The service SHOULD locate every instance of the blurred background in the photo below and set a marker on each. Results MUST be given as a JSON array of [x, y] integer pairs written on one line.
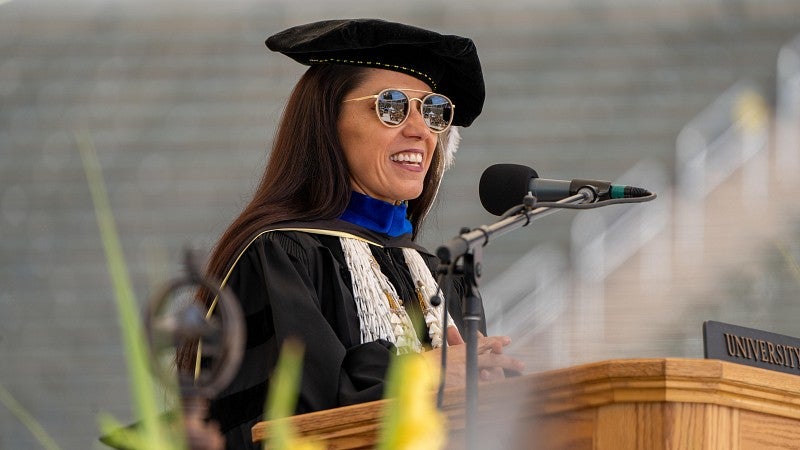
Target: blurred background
[[698, 101]]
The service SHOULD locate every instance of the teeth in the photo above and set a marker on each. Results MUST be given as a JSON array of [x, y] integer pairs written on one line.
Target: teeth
[[407, 157]]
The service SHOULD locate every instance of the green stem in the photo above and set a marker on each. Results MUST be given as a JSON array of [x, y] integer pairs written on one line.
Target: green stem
[[35, 428], [142, 386]]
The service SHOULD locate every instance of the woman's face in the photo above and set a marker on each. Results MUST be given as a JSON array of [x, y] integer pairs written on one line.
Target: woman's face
[[384, 162]]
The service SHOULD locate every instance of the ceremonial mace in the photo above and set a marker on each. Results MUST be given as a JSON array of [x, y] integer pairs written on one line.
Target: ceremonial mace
[[174, 316]]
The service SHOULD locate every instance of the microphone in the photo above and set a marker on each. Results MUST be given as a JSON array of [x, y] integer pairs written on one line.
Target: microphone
[[504, 186]]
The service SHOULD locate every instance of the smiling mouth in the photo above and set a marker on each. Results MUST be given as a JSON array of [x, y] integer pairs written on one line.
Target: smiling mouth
[[407, 158]]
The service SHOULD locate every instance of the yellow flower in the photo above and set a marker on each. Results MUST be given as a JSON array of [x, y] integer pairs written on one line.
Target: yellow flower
[[304, 444], [412, 420]]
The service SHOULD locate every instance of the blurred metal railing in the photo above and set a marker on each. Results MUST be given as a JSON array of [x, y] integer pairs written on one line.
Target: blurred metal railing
[[732, 131], [602, 240], [528, 297], [540, 287], [730, 135]]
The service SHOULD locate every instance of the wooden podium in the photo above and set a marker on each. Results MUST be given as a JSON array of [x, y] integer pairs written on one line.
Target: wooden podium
[[618, 404]]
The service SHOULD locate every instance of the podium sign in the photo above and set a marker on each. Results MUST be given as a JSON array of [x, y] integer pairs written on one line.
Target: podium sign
[[751, 347]]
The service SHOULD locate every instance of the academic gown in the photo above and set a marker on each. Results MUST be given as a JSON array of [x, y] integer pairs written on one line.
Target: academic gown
[[297, 284]]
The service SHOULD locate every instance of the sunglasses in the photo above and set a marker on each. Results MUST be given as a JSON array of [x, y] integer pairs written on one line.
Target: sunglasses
[[393, 107]]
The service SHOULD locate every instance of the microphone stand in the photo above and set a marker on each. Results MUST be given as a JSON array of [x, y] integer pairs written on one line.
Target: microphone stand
[[468, 247]]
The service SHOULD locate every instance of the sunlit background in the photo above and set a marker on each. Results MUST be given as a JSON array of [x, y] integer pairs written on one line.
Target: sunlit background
[[698, 101]]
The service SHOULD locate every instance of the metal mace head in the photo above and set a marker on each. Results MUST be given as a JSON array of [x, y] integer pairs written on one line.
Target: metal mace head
[[174, 316]]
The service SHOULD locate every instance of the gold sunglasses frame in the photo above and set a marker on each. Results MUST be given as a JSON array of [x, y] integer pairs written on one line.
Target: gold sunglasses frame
[[410, 100]]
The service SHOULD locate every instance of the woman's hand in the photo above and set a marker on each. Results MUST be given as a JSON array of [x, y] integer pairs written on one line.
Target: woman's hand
[[491, 360]]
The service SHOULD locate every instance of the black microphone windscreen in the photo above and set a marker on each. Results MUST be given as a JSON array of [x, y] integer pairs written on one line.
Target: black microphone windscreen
[[635, 192], [504, 186]]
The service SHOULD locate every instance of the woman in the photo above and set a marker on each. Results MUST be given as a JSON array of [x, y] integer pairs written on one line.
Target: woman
[[324, 251]]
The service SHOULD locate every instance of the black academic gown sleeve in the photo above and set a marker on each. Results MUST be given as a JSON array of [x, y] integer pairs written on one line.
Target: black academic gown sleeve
[[289, 285]]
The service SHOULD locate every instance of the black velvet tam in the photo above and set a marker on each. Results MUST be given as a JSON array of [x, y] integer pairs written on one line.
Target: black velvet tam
[[448, 64]]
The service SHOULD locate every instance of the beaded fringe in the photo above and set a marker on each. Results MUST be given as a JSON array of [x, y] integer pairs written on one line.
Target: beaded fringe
[[426, 289], [380, 310]]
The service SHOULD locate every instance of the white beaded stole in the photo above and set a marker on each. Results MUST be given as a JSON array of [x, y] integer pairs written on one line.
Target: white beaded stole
[[380, 310]]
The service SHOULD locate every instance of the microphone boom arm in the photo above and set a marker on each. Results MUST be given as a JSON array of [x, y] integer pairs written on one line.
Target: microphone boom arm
[[465, 242]]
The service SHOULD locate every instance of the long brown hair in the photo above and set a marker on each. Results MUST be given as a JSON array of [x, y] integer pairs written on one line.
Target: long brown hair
[[306, 177]]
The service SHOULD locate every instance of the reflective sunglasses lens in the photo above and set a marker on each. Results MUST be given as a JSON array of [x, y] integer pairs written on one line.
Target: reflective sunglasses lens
[[437, 111], [392, 107]]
